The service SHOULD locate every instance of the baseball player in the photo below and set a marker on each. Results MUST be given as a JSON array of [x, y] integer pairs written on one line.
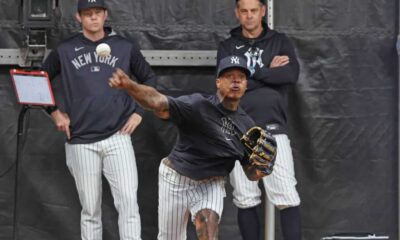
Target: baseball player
[[98, 120], [272, 61], [191, 178]]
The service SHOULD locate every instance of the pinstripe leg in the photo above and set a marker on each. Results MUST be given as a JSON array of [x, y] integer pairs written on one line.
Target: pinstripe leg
[[207, 207], [246, 193], [84, 163], [172, 204], [281, 184], [246, 196], [207, 194], [121, 173]]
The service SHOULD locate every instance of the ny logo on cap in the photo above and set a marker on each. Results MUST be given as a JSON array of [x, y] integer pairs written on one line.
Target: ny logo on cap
[[235, 60]]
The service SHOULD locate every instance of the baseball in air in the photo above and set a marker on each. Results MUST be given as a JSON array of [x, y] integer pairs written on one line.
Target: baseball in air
[[103, 50]]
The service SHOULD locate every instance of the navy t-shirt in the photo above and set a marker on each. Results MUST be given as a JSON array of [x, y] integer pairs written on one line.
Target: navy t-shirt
[[209, 136]]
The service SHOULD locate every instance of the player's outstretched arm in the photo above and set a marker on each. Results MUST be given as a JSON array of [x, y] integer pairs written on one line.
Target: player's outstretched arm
[[148, 97]]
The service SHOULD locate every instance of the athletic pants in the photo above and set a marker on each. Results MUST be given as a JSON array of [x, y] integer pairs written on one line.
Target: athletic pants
[[114, 157], [179, 196], [280, 185]]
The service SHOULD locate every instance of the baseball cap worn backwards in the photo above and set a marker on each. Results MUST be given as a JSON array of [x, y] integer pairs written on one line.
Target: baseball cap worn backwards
[[232, 62], [85, 4]]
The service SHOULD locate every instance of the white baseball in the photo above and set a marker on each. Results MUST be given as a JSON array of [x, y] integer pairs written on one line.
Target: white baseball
[[103, 50]]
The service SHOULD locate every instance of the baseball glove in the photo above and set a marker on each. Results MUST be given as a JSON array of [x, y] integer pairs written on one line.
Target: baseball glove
[[260, 148]]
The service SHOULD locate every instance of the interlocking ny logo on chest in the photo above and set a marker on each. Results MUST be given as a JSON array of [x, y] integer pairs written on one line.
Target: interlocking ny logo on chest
[[227, 128]]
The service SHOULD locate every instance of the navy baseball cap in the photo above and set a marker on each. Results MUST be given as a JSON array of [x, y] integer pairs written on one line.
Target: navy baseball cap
[[84, 4], [232, 62]]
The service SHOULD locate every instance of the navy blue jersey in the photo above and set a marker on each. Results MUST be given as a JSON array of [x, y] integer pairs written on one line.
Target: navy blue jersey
[[266, 96], [209, 136], [96, 110]]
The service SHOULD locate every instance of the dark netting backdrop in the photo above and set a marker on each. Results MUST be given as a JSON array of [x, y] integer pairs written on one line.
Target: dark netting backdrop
[[343, 116]]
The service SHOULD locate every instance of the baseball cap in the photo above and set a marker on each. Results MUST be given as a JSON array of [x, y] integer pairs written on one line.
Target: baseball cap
[[232, 62], [84, 4]]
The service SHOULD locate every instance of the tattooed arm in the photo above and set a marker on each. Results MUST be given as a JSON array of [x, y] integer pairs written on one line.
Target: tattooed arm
[[148, 97]]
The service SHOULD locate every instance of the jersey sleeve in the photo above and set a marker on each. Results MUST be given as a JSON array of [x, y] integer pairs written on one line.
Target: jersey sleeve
[[287, 74], [52, 66], [140, 68], [180, 109]]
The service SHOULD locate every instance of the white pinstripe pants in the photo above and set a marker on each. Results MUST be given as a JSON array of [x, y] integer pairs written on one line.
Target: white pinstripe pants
[[179, 195], [280, 185], [114, 157]]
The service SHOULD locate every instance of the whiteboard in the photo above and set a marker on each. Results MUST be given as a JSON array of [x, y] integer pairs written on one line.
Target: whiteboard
[[32, 87]]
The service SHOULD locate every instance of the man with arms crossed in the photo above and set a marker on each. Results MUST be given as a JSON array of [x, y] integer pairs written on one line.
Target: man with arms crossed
[[192, 177], [272, 61], [98, 120]]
